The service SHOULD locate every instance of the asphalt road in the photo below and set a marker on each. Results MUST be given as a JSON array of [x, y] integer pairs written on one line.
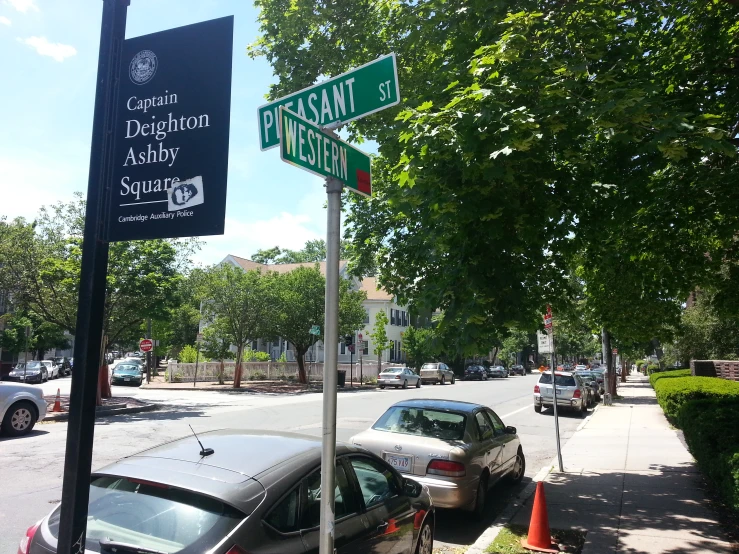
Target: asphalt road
[[31, 466]]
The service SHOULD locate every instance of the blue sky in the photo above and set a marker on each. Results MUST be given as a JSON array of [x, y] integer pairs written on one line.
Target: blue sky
[[49, 52]]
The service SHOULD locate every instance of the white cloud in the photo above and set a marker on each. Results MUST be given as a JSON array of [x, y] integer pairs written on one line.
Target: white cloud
[[23, 5], [57, 50], [4, 20]]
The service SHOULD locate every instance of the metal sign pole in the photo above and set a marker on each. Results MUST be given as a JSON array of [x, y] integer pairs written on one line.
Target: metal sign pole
[[330, 376], [554, 392], [25, 355], [91, 302]]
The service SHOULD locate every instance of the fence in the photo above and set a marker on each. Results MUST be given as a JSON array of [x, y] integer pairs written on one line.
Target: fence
[[258, 371], [725, 369]]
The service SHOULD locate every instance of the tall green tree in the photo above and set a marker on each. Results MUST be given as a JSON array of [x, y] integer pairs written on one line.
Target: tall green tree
[[380, 340], [313, 251], [417, 345], [300, 301], [242, 304]]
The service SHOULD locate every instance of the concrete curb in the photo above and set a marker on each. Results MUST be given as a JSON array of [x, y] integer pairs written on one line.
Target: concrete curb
[[64, 416], [509, 512]]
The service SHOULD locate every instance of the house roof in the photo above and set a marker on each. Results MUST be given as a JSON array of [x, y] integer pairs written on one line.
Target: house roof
[[369, 285], [248, 265]]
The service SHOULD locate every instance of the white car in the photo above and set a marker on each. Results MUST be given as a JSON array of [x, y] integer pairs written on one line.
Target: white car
[[21, 406], [436, 373], [398, 377], [52, 369]]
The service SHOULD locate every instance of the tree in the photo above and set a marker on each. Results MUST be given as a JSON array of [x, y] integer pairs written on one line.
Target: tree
[[44, 336], [379, 337], [417, 345], [531, 133], [299, 298], [13, 335], [216, 344], [313, 251], [515, 342], [240, 301]]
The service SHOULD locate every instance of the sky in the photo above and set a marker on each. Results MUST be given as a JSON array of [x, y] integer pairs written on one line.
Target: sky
[[49, 55]]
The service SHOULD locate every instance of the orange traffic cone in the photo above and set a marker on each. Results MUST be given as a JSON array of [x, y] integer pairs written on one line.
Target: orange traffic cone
[[539, 539], [58, 402]]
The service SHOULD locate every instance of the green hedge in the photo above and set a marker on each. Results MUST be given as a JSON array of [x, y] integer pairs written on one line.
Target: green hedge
[[673, 392], [707, 410], [711, 428]]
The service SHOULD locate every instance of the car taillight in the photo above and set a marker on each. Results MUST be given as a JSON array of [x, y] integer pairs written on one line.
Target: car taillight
[[397, 376], [236, 549], [25, 546], [536, 388], [576, 394], [447, 468]]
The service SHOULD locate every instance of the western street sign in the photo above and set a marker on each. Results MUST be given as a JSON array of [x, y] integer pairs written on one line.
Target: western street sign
[[145, 345], [171, 133], [315, 330], [303, 144], [362, 91]]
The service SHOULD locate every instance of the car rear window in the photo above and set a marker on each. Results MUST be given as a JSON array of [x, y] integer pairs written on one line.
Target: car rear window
[[562, 380], [422, 421], [153, 516]]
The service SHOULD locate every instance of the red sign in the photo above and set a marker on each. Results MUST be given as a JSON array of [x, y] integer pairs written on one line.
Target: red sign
[[360, 336], [351, 348], [146, 345], [614, 351], [548, 318]]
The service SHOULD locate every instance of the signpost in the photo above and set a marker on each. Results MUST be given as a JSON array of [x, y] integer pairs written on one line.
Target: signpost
[[158, 163], [304, 145], [146, 345], [362, 91], [301, 123], [548, 319]]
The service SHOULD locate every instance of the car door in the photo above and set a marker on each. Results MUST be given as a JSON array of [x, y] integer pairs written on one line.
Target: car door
[[507, 441], [412, 377], [350, 524], [388, 511], [487, 450]]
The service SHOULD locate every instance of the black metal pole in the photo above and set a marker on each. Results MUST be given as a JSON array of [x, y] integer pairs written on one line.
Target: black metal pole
[[91, 302]]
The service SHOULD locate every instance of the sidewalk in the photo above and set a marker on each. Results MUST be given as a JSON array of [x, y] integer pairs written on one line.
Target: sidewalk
[[631, 484]]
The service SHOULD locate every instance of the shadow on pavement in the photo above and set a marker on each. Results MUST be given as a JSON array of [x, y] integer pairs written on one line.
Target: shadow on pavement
[[181, 412], [35, 433], [459, 527]]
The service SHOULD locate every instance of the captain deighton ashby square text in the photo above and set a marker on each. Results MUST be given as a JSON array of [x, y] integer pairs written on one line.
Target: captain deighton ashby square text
[[156, 151]]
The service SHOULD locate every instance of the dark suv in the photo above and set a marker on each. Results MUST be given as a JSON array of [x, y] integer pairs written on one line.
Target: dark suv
[[517, 370]]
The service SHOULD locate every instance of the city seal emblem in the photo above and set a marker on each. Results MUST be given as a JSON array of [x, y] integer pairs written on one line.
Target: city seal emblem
[[143, 67]]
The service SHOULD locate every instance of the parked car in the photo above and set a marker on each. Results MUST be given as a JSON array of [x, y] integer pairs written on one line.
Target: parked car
[[517, 370], [21, 406], [34, 372], [173, 499], [135, 361], [475, 373], [126, 374], [65, 368], [497, 371], [572, 393], [456, 449], [436, 373], [590, 378], [398, 377], [52, 368]]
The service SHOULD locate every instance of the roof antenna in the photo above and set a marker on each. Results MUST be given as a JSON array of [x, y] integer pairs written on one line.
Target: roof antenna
[[203, 451]]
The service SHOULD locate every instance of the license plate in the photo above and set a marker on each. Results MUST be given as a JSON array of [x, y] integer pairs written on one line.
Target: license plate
[[401, 463], [126, 378]]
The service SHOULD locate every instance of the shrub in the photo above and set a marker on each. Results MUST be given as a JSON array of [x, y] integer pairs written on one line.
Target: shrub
[[188, 355], [673, 393], [711, 428], [668, 375], [258, 376]]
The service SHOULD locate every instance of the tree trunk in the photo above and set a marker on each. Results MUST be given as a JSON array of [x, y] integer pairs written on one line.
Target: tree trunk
[[237, 371], [103, 385], [495, 354], [623, 370], [608, 354], [379, 363], [300, 355], [221, 370]]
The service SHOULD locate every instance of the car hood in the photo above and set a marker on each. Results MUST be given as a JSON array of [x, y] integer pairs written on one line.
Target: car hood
[[7, 389]]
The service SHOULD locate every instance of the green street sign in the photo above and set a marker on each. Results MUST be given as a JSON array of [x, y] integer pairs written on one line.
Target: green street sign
[[315, 330], [362, 91], [303, 144]]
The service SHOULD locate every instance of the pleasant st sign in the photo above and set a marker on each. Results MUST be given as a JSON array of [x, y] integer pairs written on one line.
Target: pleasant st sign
[[362, 91], [303, 144]]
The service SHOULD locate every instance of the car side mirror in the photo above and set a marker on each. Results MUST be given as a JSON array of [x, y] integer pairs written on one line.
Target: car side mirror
[[510, 430], [412, 488]]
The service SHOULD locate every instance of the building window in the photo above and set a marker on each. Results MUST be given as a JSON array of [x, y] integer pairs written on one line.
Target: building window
[[392, 352], [342, 348], [366, 317], [365, 348], [405, 319], [392, 316]]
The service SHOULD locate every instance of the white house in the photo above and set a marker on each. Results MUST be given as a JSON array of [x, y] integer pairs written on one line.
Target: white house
[[377, 300]]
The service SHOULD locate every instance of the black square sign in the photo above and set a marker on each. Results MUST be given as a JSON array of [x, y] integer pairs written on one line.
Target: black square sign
[[171, 133]]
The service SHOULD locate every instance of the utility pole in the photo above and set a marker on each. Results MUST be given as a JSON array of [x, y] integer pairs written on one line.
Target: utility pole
[[148, 354], [330, 375], [25, 353]]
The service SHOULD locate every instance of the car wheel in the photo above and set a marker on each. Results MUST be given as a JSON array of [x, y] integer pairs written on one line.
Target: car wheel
[[519, 467], [405, 383], [382, 386], [425, 539], [481, 497], [443, 380], [583, 409], [453, 379], [537, 408], [418, 383], [19, 419]]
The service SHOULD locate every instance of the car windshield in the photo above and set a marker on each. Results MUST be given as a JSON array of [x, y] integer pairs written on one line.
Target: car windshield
[[422, 421], [429, 366], [561, 380], [153, 516], [393, 370], [34, 365], [127, 369]]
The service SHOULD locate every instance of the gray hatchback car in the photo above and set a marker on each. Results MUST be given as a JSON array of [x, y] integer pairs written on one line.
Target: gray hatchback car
[[258, 492]]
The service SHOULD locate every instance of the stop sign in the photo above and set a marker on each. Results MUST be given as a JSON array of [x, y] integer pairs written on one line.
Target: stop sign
[[146, 345]]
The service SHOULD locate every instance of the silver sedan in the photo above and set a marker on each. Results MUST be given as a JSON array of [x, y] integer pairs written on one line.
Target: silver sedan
[[457, 449], [398, 377]]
